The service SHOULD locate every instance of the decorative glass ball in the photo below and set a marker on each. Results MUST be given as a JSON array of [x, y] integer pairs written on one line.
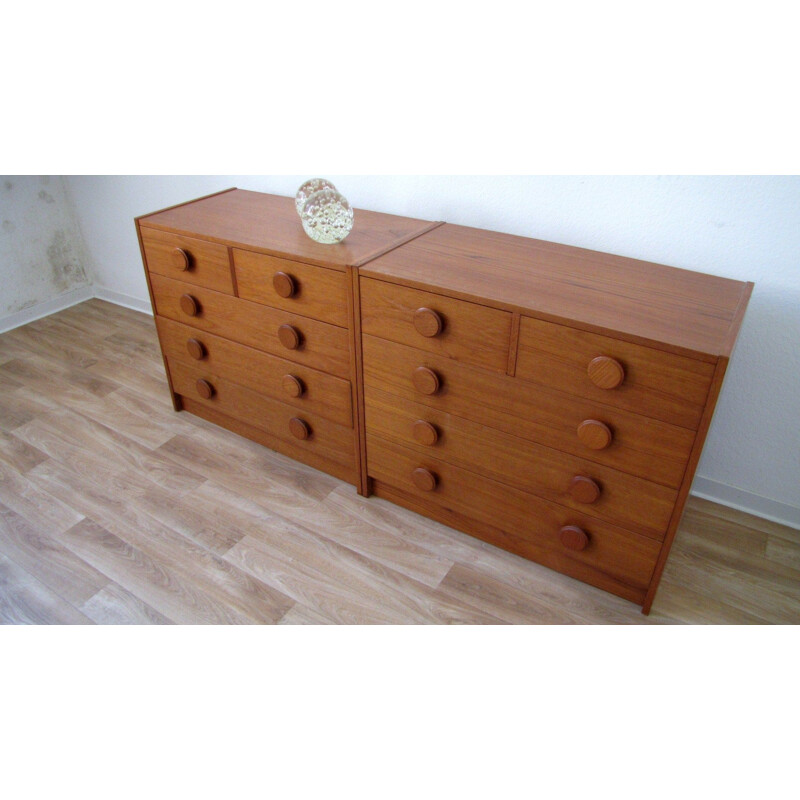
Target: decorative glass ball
[[327, 217], [309, 188]]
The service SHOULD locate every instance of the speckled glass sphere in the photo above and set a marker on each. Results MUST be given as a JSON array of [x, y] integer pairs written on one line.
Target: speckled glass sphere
[[309, 188], [327, 217]]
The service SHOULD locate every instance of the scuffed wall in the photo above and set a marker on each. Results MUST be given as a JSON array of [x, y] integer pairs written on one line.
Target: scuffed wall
[[42, 255]]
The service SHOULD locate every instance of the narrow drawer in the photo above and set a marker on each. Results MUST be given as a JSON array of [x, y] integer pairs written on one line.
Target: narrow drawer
[[457, 329], [624, 556], [190, 260], [312, 433], [302, 387], [300, 339], [299, 288], [649, 448], [594, 489], [647, 381]]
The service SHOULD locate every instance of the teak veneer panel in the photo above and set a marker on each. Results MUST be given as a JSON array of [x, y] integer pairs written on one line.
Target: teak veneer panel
[[665, 307], [641, 446], [320, 292], [323, 346], [323, 394], [625, 500]]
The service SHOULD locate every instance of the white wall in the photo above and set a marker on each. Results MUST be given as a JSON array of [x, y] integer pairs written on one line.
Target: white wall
[[42, 258], [739, 227]]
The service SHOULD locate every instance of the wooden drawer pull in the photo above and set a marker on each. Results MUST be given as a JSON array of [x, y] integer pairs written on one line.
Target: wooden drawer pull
[[583, 489], [293, 386], [428, 322], [426, 380], [424, 479], [284, 284], [573, 538], [196, 349], [289, 337], [205, 389], [189, 305], [605, 372], [299, 428], [181, 259], [425, 433], [594, 434]]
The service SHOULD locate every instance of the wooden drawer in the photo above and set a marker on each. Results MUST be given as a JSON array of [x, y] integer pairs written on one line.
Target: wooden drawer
[[622, 555], [594, 489], [649, 448], [302, 387], [647, 381], [315, 344], [457, 329], [293, 286], [190, 260], [312, 433]]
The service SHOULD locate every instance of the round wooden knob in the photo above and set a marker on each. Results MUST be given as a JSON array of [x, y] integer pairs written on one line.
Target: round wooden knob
[[189, 305], [425, 433], [290, 337], [196, 349], [299, 428], [573, 538], [180, 259], [284, 284], [293, 386], [594, 434], [425, 380], [605, 372], [205, 389], [583, 490], [424, 479], [428, 322]]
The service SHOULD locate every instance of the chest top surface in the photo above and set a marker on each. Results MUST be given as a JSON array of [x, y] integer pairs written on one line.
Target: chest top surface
[[675, 309], [270, 224]]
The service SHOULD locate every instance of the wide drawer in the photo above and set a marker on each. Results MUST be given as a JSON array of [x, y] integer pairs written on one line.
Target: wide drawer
[[302, 387], [299, 339], [594, 489], [647, 381], [190, 260], [443, 325], [623, 555], [313, 433], [649, 448], [293, 286]]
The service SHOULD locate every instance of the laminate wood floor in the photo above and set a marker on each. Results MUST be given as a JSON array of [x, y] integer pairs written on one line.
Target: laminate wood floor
[[114, 509]]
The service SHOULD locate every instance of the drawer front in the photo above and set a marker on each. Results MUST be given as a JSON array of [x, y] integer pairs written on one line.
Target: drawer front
[[594, 489], [190, 260], [302, 387], [310, 342], [649, 448], [646, 381], [312, 433], [437, 324], [623, 555], [299, 288]]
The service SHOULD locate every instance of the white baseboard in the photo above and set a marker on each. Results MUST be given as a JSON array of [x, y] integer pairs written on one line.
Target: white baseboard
[[748, 502], [705, 488], [46, 308], [119, 299]]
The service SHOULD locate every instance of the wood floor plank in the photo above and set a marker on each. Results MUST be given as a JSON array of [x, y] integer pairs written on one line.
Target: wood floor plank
[[684, 604], [300, 615], [19, 454], [113, 605], [193, 567], [780, 550], [43, 557], [62, 384], [26, 601]]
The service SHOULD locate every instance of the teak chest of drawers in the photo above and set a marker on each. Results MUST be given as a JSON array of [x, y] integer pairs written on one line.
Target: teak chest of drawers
[[551, 400]]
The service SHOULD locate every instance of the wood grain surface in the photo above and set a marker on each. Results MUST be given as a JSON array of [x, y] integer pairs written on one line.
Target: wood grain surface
[[192, 524]]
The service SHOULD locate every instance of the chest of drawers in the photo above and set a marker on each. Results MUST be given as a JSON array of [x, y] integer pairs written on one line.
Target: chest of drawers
[[550, 400]]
